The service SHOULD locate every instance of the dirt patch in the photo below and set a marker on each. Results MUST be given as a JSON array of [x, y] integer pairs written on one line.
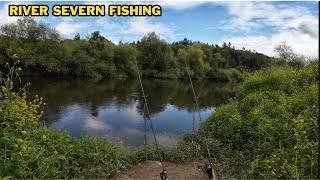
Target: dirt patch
[[152, 169]]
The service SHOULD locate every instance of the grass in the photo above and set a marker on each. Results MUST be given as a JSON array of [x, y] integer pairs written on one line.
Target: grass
[[275, 119], [29, 150], [269, 132]]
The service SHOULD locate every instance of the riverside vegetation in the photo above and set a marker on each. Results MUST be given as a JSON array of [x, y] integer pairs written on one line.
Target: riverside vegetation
[[43, 52], [270, 131]]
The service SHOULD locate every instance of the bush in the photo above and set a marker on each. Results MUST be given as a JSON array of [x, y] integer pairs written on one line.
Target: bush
[[230, 74], [276, 120]]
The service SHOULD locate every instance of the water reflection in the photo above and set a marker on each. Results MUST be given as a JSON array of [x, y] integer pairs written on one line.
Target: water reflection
[[113, 109]]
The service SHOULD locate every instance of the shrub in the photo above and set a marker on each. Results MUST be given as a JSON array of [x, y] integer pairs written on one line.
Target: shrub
[[276, 120]]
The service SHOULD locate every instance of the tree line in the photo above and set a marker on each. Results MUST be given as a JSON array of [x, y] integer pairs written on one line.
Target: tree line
[[42, 51]]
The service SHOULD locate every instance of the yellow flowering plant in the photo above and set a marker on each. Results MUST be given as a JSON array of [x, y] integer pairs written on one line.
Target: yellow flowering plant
[[29, 150], [17, 116]]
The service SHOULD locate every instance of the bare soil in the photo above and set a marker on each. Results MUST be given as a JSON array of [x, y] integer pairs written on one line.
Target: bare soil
[[152, 169]]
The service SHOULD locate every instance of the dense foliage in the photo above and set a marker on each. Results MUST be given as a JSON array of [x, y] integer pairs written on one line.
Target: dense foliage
[[270, 131], [42, 51], [30, 150], [275, 121]]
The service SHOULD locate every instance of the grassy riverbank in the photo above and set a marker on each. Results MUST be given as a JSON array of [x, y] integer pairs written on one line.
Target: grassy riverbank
[[30, 150], [275, 121], [269, 132]]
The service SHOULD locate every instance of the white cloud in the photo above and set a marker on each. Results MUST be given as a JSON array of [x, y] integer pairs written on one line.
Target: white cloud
[[295, 25], [301, 43], [142, 25], [70, 28], [251, 15], [4, 14], [136, 27], [180, 5], [107, 24]]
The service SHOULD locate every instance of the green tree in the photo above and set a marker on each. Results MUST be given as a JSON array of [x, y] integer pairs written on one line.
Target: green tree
[[286, 54], [124, 58], [218, 60], [195, 59], [77, 37], [155, 54]]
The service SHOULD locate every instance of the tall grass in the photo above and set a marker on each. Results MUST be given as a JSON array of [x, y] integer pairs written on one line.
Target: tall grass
[[275, 119]]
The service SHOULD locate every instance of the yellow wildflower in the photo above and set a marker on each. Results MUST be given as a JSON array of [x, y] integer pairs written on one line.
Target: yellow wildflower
[[24, 105], [23, 120], [20, 140], [44, 137], [0, 109], [24, 132]]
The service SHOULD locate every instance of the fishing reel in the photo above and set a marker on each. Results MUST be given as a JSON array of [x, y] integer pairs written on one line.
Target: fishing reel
[[209, 170], [163, 175]]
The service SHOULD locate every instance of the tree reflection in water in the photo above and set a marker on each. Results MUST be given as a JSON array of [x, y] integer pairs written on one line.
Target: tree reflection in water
[[113, 109]]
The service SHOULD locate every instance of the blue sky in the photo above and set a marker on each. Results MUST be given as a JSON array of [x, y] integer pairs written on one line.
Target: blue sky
[[254, 25]]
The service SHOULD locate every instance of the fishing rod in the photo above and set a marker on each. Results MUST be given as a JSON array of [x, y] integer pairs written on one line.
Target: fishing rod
[[163, 174], [145, 130], [208, 166]]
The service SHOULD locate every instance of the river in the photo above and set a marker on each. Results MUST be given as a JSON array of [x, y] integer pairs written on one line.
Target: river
[[112, 108]]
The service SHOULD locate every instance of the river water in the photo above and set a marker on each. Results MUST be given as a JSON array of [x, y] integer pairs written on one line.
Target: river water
[[113, 109]]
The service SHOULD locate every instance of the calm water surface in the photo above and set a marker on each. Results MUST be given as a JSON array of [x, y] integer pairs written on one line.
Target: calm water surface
[[113, 109]]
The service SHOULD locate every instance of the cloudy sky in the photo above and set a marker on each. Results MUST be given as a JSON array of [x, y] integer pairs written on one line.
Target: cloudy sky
[[254, 25]]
